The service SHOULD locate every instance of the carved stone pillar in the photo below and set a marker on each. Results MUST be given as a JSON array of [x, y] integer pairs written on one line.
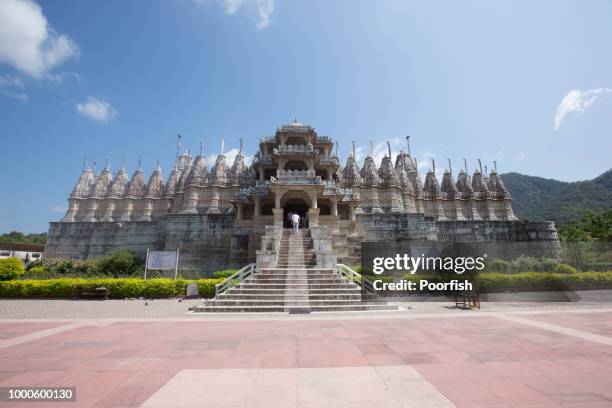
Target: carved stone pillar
[[191, 201], [110, 209], [278, 217], [257, 210], [374, 201], [475, 213], [91, 211], [148, 210], [458, 210], [213, 208], [126, 214], [491, 210], [73, 209], [334, 206], [313, 216], [239, 208]]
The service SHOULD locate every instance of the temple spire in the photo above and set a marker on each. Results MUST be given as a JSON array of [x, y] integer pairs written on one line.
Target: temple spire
[[465, 165], [433, 165], [201, 146], [106, 164], [84, 163], [123, 163], [495, 165], [139, 163], [450, 168], [389, 148], [354, 157], [240, 150], [480, 165], [178, 145]]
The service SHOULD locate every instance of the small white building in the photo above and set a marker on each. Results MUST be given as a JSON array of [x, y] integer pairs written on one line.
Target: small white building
[[26, 252]]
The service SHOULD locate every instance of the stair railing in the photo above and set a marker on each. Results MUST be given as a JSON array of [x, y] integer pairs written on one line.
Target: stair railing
[[350, 275], [238, 277]]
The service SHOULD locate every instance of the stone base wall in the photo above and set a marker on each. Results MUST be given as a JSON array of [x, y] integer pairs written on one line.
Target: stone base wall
[[213, 242]]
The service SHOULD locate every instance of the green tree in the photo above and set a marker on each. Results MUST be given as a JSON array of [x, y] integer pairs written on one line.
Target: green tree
[[11, 268]]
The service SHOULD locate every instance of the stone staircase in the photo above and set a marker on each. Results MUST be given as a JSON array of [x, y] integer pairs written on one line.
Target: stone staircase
[[295, 285]]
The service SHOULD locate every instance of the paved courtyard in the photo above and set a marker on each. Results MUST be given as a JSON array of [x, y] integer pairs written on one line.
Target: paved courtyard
[[126, 354]]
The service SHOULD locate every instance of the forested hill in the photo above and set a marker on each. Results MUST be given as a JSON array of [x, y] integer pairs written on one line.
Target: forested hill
[[536, 198]]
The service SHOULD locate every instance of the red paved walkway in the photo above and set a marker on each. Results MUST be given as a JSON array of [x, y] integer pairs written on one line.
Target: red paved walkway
[[480, 361]]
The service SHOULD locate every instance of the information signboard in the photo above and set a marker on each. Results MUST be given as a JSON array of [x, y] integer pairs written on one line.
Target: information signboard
[[162, 260]]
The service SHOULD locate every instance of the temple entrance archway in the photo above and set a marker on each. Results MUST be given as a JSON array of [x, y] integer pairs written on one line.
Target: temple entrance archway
[[296, 202]]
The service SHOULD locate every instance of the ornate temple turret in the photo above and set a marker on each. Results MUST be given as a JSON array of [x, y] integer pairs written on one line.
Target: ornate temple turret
[[239, 173], [498, 190], [153, 192], [103, 182], [451, 193], [134, 191], [81, 190], [432, 194], [196, 178], [115, 192], [184, 163], [219, 177], [350, 174], [99, 191]]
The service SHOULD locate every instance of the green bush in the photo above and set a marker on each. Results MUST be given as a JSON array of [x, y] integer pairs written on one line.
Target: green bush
[[36, 272], [498, 265], [564, 268], [119, 288], [11, 268], [120, 263], [225, 273], [495, 282]]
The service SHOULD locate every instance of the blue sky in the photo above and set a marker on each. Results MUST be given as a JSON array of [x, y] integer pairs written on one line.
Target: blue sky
[[526, 83]]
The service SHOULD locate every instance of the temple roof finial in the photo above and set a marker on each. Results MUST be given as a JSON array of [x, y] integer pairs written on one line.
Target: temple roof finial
[[94, 167], [337, 145], [222, 146], [389, 148], [495, 165], [480, 165], [178, 145], [201, 146], [157, 166], [371, 148], [465, 165], [240, 149], [408, 143], [433, 165], [84, 163], [106, 163], [450, 168], [354, 157], [139, 163]]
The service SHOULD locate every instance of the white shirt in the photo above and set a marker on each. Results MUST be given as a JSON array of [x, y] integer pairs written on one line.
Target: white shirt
[[295, 219]]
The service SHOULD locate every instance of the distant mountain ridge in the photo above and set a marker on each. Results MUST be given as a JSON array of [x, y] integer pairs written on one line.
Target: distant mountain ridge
[[539, 199]]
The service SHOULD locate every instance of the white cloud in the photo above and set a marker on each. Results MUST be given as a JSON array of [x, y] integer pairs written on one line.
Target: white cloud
[[96, 109], [12, 86], [230, 156], [57, 209], [261, 9], [576, 102], [521, 156], [28, 42]]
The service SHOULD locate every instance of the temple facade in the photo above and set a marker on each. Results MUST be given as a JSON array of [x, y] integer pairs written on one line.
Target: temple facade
[[232, 213]]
